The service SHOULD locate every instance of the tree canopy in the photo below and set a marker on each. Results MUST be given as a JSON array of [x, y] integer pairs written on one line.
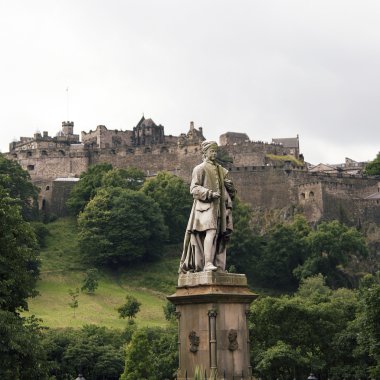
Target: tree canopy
[[294, 334], [291, 251], [20, 352], [121, 226], [373, 167], [102, 176], [173, 196], [18, 256], [86, 188], [16, 182]]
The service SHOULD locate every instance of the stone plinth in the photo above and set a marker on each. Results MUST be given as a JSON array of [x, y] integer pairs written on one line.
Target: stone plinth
[[212, 310]]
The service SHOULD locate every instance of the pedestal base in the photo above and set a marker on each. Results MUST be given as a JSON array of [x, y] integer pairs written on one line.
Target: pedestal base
[[212, 310]]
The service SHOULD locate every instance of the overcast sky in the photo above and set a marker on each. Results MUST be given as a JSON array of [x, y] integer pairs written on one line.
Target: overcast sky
[[267, 68]]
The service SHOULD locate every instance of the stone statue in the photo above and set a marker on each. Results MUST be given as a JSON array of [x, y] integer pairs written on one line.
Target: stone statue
[[210, 222]]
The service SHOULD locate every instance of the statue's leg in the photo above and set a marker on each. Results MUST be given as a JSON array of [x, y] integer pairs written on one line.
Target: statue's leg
[[209, 250], [198, 252]]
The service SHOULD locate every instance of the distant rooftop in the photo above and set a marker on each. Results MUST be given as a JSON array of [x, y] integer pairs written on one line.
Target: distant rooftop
[[291, 142]]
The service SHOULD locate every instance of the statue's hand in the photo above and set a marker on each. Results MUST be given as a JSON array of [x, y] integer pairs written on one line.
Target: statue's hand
[[215, 195]]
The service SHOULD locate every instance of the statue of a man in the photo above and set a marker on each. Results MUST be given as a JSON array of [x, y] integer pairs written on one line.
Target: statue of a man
[[210, 222]]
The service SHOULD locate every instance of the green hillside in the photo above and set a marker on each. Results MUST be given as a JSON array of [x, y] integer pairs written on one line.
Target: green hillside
[[61, 270]]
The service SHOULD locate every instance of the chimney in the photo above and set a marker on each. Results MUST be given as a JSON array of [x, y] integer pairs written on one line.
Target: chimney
[[191, 125]]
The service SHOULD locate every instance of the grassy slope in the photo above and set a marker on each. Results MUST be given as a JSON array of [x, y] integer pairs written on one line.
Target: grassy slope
[[62, 270]]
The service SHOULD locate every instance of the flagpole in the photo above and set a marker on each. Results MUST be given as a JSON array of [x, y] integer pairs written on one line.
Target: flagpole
[[67, 103]]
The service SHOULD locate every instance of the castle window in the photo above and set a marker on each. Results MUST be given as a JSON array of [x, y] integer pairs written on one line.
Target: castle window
[[44, 153], [61, 152], [30, 167], [113, 151], [130, 150], [147, 150], [164, 149], [14, 155], [47, 188], [43, 206], [311, 194], [303, 196], [29, 153]]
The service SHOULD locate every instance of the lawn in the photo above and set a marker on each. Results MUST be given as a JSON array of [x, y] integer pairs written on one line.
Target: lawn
[[62, 270]]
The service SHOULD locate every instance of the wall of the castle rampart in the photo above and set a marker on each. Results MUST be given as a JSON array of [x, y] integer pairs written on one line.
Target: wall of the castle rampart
[[59, 195], [104, 138], [346, 185], [253, 153], [368, 210], [58, 163], [310, 197], [266, 187]]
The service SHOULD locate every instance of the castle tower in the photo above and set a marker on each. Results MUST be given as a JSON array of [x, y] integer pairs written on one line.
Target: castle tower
[[67, 128]]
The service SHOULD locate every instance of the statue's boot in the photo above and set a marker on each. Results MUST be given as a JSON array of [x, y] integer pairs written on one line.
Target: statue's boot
[[210, 267]]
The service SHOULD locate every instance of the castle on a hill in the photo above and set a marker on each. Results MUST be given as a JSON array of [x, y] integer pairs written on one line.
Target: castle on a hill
[[267, 175]]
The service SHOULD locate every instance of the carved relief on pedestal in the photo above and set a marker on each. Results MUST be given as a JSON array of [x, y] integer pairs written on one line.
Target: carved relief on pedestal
[[194, 341]]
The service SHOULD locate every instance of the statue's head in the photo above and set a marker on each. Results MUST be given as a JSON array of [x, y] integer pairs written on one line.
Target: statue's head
[[209, 150]]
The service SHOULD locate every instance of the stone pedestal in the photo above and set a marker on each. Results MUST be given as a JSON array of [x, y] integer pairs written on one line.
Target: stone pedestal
[[212, 311]]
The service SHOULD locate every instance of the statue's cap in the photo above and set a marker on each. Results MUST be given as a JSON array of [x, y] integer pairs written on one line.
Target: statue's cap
[[208, 144]]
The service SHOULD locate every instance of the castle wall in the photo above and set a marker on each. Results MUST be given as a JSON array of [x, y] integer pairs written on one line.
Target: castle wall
[[104, 138], [253, 153], [266, 187], [48, 165], [339, 197], [59, 195]]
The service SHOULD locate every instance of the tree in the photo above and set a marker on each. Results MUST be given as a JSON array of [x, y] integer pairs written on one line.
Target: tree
[[130, 178], [74, 303], [285, 249], [139, 358], [16, 182], [130, 308], [151, 354], [172, 194], [294, 334], [245, 246], [99, 176], [19, 265], [373, 167], [86, 188], [120, 226], [91, 281], [330, 248], [369, 319], [96, 352], [21, 355]]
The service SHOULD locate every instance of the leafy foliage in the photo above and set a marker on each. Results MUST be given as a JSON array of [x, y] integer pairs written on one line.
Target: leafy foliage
[[16, 182], [74, 303], [373, 167], [130, 308], [172, 194], [130, 178], [151, 354], [86, 188], [296, 333], [369, 322], [121, 226], [18, 256], [21, 353], [330, 248], [102, 176], [91, 281], [94, 351], [290, 251]]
